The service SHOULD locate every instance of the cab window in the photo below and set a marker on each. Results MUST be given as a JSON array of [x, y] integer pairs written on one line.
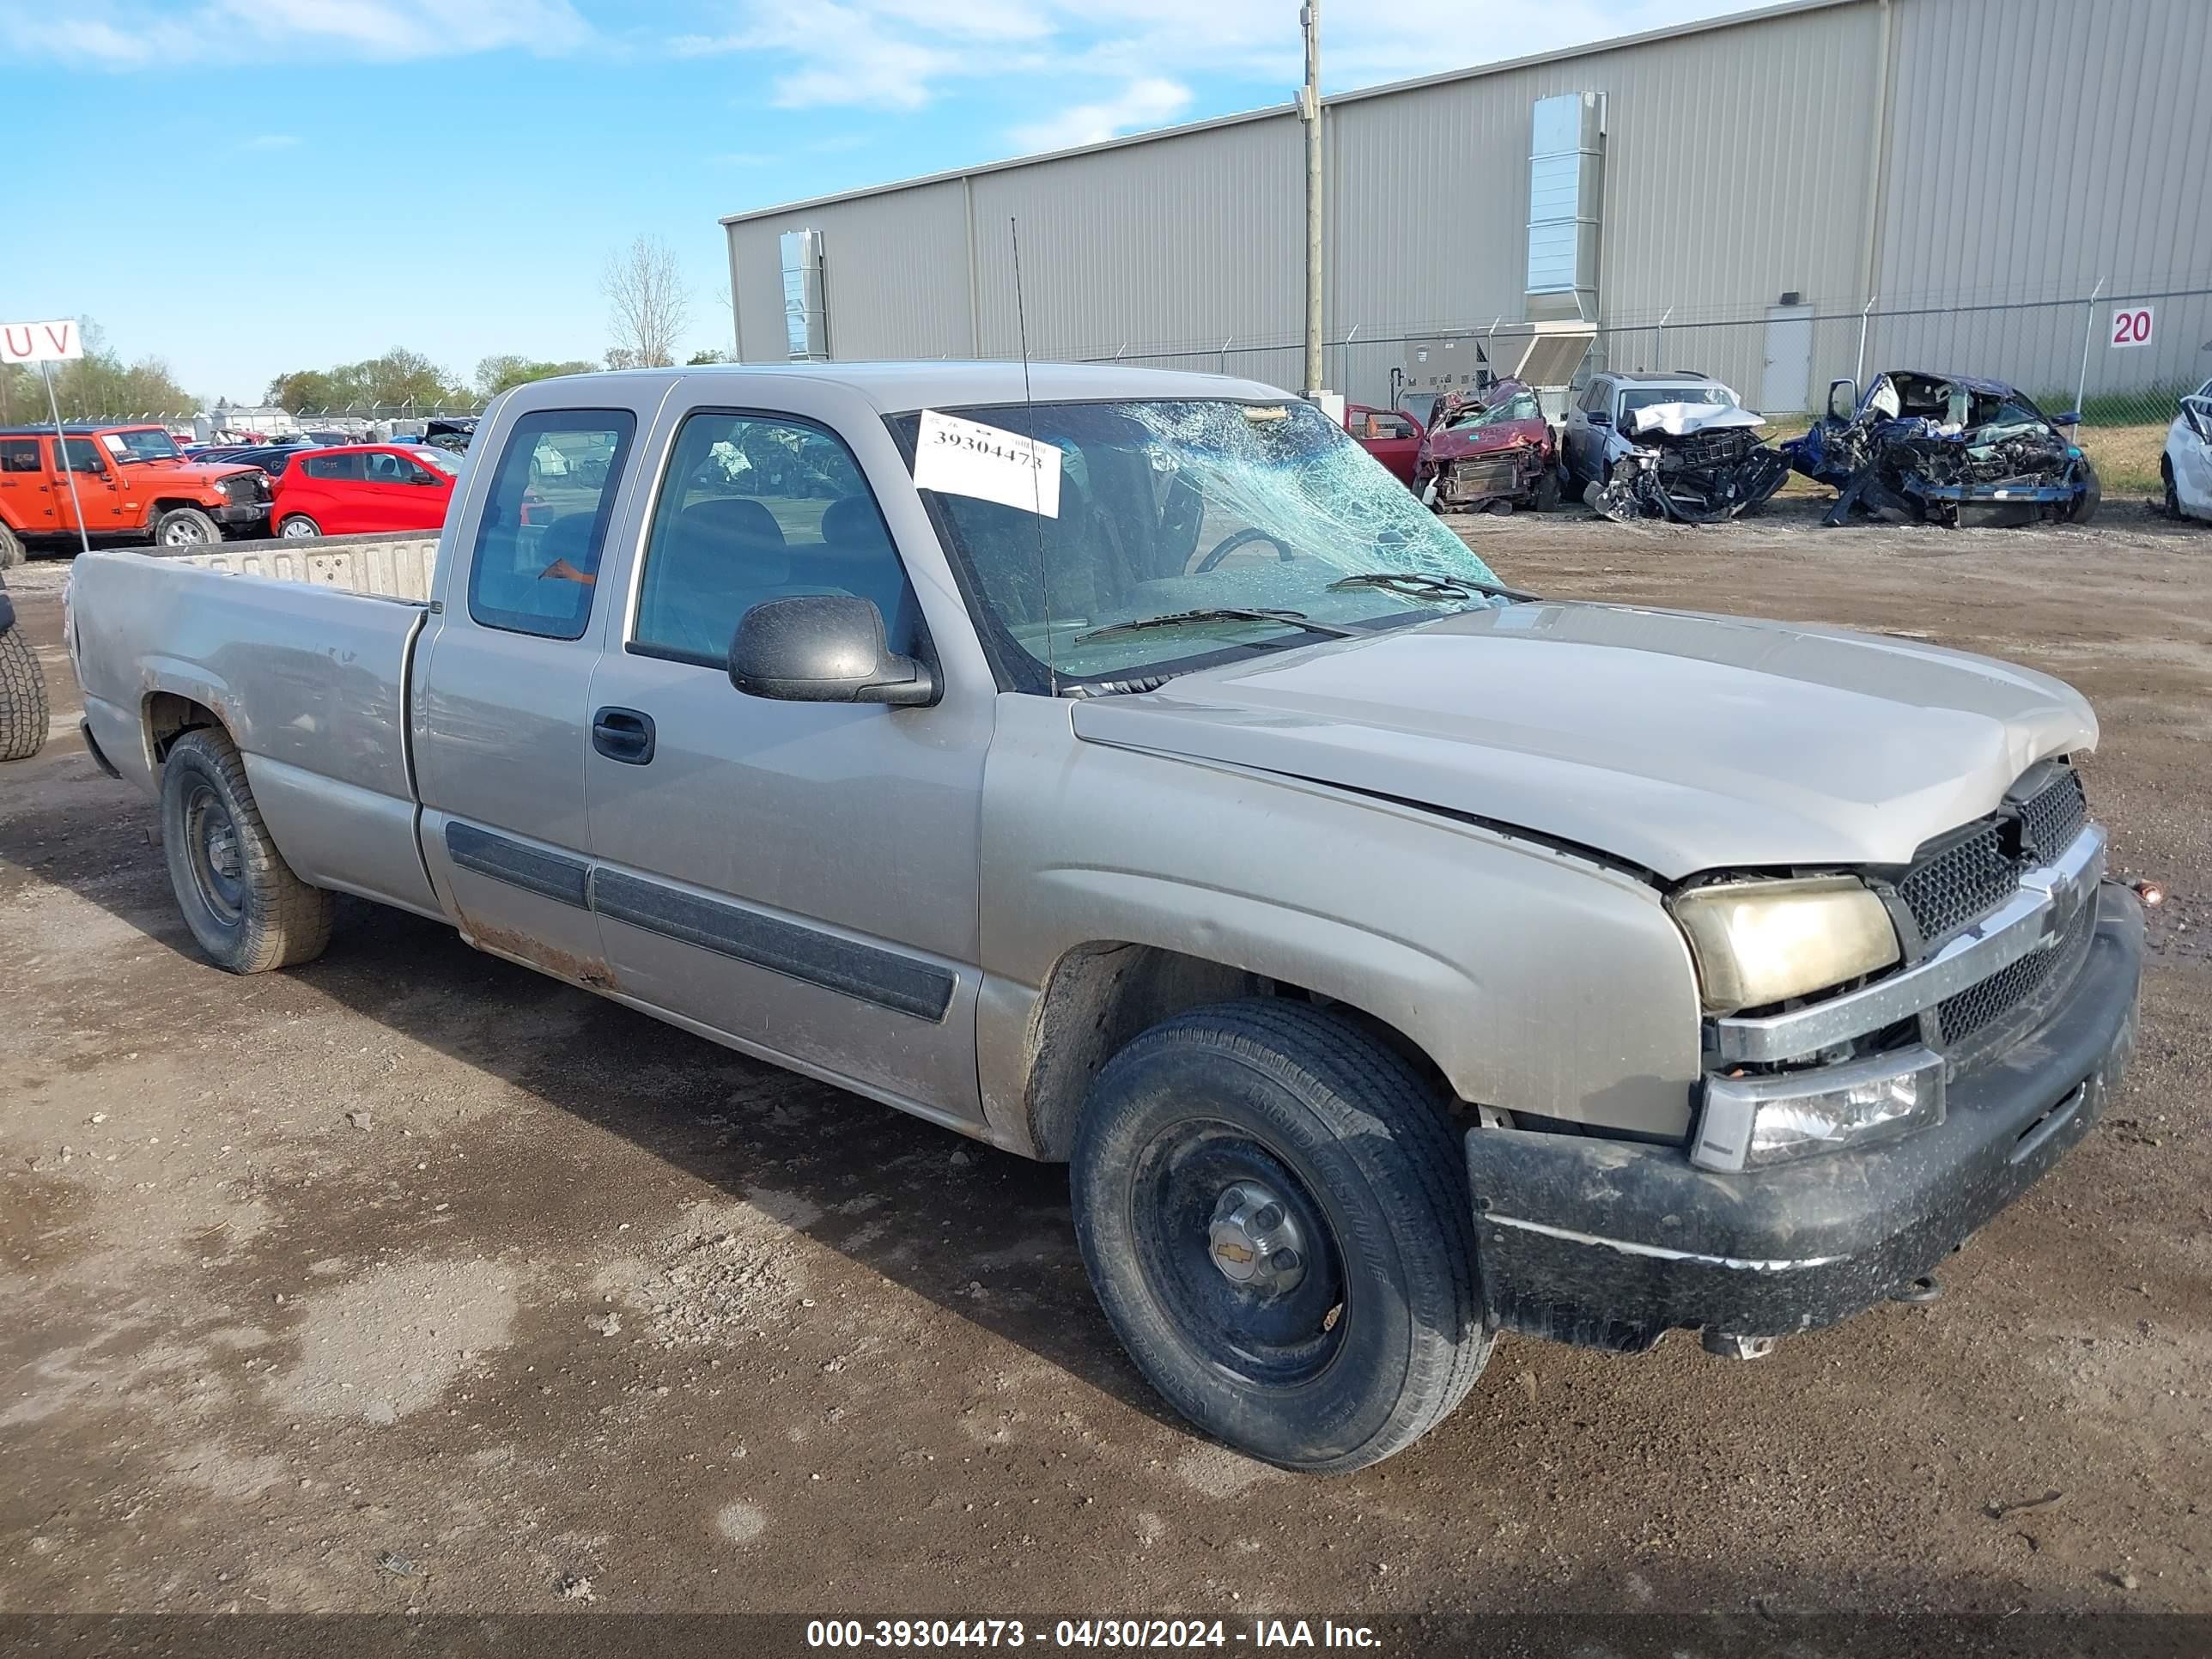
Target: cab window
[[537, 559], [84, 456], [751, 508], [19, 455]]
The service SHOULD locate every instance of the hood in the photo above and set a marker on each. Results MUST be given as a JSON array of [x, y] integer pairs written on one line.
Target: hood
[[204, 472], [1677, 742], [1680, 420], [1445, 445]]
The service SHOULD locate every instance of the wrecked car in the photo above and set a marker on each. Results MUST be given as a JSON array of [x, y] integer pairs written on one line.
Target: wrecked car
[[1945, 449], [1493, 450], [2185, 468], [1679, 447]]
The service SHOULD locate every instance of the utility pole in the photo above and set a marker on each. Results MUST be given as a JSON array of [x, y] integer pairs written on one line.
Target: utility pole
[[1309, 112]]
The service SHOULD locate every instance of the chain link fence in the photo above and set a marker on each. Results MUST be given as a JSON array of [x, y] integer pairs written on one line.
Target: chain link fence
[[2122, 359]]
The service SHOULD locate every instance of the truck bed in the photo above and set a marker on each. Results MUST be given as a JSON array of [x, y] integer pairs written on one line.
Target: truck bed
[[303, 654]]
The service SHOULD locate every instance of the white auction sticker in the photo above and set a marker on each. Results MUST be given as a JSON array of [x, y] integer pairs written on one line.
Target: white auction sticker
[[966, 457]]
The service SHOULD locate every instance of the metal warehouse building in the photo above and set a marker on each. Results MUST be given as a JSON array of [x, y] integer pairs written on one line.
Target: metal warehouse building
[[1969, 184]]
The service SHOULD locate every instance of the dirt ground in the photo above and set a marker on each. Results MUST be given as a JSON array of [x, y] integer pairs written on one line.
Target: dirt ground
[[410, 1281]]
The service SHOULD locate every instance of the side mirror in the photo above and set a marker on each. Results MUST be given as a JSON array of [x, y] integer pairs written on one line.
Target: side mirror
[[825, 647], [1599, 417], [2071, 417], [1843, 400]]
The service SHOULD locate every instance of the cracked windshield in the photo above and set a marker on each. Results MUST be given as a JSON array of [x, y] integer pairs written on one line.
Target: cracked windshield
[[1175, 514]]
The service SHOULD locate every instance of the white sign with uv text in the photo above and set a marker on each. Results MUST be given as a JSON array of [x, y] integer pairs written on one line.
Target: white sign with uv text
[[966, 457], [56, 341]]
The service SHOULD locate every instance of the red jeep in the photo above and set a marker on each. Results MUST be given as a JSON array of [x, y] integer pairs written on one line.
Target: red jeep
[[131, 482]]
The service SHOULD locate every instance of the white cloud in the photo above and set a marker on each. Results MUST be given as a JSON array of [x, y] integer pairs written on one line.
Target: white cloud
[[133, 34], [1152, 102], [902, 54]]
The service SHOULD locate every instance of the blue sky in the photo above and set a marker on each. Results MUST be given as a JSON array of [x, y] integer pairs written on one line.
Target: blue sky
[[246, 186]]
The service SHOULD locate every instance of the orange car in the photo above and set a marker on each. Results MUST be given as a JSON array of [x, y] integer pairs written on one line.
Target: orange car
[[132, 482]]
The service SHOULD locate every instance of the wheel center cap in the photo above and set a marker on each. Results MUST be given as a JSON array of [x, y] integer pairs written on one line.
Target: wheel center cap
[[1254, 1241]]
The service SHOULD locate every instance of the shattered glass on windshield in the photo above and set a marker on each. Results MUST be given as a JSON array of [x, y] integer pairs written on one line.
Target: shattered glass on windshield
[[1173, 513]]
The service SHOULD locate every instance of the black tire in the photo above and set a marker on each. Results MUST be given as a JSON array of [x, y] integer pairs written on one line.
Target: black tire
[[298, 526], [185, 527], [2173, 489], [2084, 507], [1380, 1334], [244, 905], [11, 549], [1548, 490], [22, 698]]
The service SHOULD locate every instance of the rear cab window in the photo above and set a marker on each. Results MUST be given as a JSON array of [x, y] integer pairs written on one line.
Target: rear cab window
[[535, 565], [20, 455]]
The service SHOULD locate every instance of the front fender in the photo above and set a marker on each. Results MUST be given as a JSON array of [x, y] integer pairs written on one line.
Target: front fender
[[1535, 979]]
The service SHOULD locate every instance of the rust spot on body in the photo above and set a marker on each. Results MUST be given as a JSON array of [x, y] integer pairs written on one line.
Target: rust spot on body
[[590, 972]]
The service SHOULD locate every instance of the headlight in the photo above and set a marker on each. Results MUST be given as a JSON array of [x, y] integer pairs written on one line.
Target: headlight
[[1757, 942], [1754, 1121]]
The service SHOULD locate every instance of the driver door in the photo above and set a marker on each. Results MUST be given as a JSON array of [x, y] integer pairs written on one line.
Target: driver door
[[98, 493], [800, 879], [2192, 452]]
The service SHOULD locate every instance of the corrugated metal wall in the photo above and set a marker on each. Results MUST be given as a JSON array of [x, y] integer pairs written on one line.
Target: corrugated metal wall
[[2032, 147]]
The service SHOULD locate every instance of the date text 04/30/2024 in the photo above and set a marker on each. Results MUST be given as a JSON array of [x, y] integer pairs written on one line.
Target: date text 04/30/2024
[[1161, 1634]]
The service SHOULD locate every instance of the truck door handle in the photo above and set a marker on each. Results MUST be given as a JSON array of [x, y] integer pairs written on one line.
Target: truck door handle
[[624, 735]]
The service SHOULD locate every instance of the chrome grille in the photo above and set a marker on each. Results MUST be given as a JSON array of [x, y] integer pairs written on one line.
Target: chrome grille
[[1961, 884], [2049, 823], [2013, 990]]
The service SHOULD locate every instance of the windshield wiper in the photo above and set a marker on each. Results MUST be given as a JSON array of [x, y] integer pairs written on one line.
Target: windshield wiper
[[1220, 613], [1430, 585]]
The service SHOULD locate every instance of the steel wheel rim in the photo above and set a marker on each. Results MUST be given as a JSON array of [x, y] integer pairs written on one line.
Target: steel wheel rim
[[1287, 1330], [182, 532], [217, 860]]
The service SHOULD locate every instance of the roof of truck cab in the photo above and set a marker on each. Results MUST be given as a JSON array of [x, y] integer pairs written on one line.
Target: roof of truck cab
[[896, 388]]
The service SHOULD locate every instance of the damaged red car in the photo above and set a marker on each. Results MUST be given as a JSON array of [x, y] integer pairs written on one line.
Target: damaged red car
[[1492, 449]]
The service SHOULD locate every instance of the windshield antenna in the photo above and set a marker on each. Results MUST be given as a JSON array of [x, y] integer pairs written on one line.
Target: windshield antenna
[[1037, 485]]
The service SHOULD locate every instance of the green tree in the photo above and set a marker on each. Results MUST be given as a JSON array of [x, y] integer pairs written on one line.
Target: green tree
[[505, 370], [707, 355], [399, 377], [99, 385]]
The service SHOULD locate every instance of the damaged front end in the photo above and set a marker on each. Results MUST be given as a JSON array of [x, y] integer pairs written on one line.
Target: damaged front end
[[1693, 463], [1945, 450]]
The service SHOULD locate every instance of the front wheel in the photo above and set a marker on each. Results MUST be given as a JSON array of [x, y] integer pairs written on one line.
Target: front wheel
[[1273, 1213], [2083, 508], [242, 901], [2173, 489], [1548, 490], [11, 549], [185, 527], [297, 527]]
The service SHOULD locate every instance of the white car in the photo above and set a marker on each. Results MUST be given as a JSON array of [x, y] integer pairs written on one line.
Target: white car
[[2186, 469]]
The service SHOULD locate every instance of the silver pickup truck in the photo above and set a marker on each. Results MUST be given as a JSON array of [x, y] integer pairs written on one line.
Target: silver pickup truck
[[1122, 768]]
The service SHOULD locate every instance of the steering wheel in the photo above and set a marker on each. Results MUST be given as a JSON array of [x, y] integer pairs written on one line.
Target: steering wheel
[[1229, 545]]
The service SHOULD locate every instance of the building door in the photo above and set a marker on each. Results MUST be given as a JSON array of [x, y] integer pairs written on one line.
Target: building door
[[1787, 384]]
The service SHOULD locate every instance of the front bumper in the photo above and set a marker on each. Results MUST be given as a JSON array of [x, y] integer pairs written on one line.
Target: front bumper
[[1612, 1244], [239, 512]]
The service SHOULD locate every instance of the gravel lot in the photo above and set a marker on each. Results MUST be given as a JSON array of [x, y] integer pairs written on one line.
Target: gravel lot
[[410, 1281]]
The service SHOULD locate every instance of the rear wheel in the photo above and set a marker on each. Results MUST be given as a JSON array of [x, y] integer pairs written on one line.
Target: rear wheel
[[22, 698], [11, 549], [1274, 1214], [244, 905], [298, 526]]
